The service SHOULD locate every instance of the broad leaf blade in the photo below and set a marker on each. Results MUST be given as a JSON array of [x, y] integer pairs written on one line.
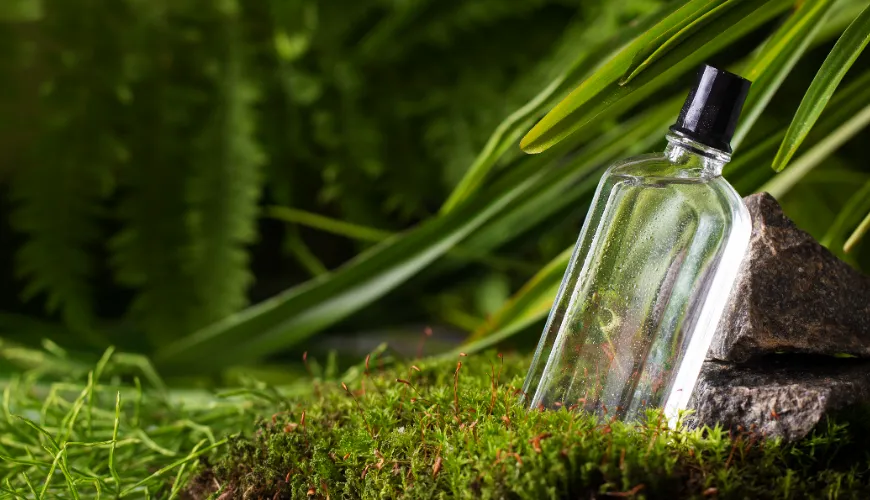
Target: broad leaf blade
[[602, 91], [776, 59], [847, 49]]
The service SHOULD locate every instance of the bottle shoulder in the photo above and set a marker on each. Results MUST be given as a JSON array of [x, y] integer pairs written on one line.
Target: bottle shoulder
[[656, 171]]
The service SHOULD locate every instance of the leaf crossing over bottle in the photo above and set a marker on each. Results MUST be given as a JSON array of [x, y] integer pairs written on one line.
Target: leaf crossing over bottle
[[652, 270]]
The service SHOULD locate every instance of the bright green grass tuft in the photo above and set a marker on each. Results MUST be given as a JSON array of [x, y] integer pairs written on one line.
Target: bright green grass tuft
[[67, 431], [400, 434]]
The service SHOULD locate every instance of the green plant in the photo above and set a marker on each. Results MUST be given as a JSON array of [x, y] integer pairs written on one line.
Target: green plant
[[70, 430], [397, 182]]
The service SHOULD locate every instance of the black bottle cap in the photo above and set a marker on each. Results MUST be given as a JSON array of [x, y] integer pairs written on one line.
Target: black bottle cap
[[713, 107]]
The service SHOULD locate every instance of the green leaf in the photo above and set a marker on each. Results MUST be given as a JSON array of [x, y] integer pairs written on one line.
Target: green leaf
[[858, 234], [751, 168], [330, 225], [602, 91], [858, 204], [776, 59], [584, 46], [567, 186], [298, 313], [672, 31], [782, 183], [530, 304], [845, 51]]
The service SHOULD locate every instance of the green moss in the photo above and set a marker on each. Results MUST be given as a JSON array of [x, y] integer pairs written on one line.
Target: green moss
[[400, 433]]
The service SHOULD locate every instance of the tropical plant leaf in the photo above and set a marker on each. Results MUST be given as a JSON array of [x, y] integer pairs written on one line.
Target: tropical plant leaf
[[583, 45], [601, 90], [776, 59], [845, 51], [68, 168], [859, 233], [750, 168], [672, 31], [782, 183], [190, 207], [298, 313], [568, 185]]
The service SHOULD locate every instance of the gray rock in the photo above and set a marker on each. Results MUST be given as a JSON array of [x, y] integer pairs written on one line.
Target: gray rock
[[792, 295], [779, 397], [795, 298]]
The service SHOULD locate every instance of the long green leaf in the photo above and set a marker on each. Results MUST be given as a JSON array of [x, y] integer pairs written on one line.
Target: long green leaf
[[858, 204], [782, 183], [674, 30], [584, 45], [569, 184], [858, 234], [330, 225], [751, 167], [847, 49], [296, 314], [776, 59], [602, 90]]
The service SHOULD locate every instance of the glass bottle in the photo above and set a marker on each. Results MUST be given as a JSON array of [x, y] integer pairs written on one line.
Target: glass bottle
[[652, 270]]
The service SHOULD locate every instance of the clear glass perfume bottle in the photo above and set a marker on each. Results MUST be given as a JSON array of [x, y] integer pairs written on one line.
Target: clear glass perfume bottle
[[652, 270]]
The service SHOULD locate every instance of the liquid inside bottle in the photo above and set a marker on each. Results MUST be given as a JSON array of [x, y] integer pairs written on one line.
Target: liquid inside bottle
[[644, 291]]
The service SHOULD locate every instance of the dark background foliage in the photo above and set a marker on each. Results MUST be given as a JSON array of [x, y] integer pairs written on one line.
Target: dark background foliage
[[165, 163]]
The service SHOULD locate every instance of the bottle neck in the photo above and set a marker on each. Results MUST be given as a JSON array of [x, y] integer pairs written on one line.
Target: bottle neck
[[694, 158]]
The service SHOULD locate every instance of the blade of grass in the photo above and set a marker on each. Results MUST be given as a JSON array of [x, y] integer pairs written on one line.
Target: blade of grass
[[858, 234], [193, 455], [328, 224], [782, 183], [845, 51], [177, 484], [858, 203], [776, 59], [294, 245], [601, 90], [113, 470]]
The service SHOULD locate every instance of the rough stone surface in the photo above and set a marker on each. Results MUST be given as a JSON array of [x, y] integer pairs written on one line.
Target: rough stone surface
[[784, 397], [792, 295], [771, 368]]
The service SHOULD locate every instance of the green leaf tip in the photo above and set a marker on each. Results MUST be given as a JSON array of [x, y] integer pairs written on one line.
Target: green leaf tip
[[833, 69]]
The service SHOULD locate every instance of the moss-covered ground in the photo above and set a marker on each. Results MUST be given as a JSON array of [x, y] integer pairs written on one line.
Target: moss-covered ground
[[423, 429], [456, 429]]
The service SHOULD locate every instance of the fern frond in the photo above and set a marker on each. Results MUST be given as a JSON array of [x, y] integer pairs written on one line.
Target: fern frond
[[58, 187], [194, 184], [225, 189]]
